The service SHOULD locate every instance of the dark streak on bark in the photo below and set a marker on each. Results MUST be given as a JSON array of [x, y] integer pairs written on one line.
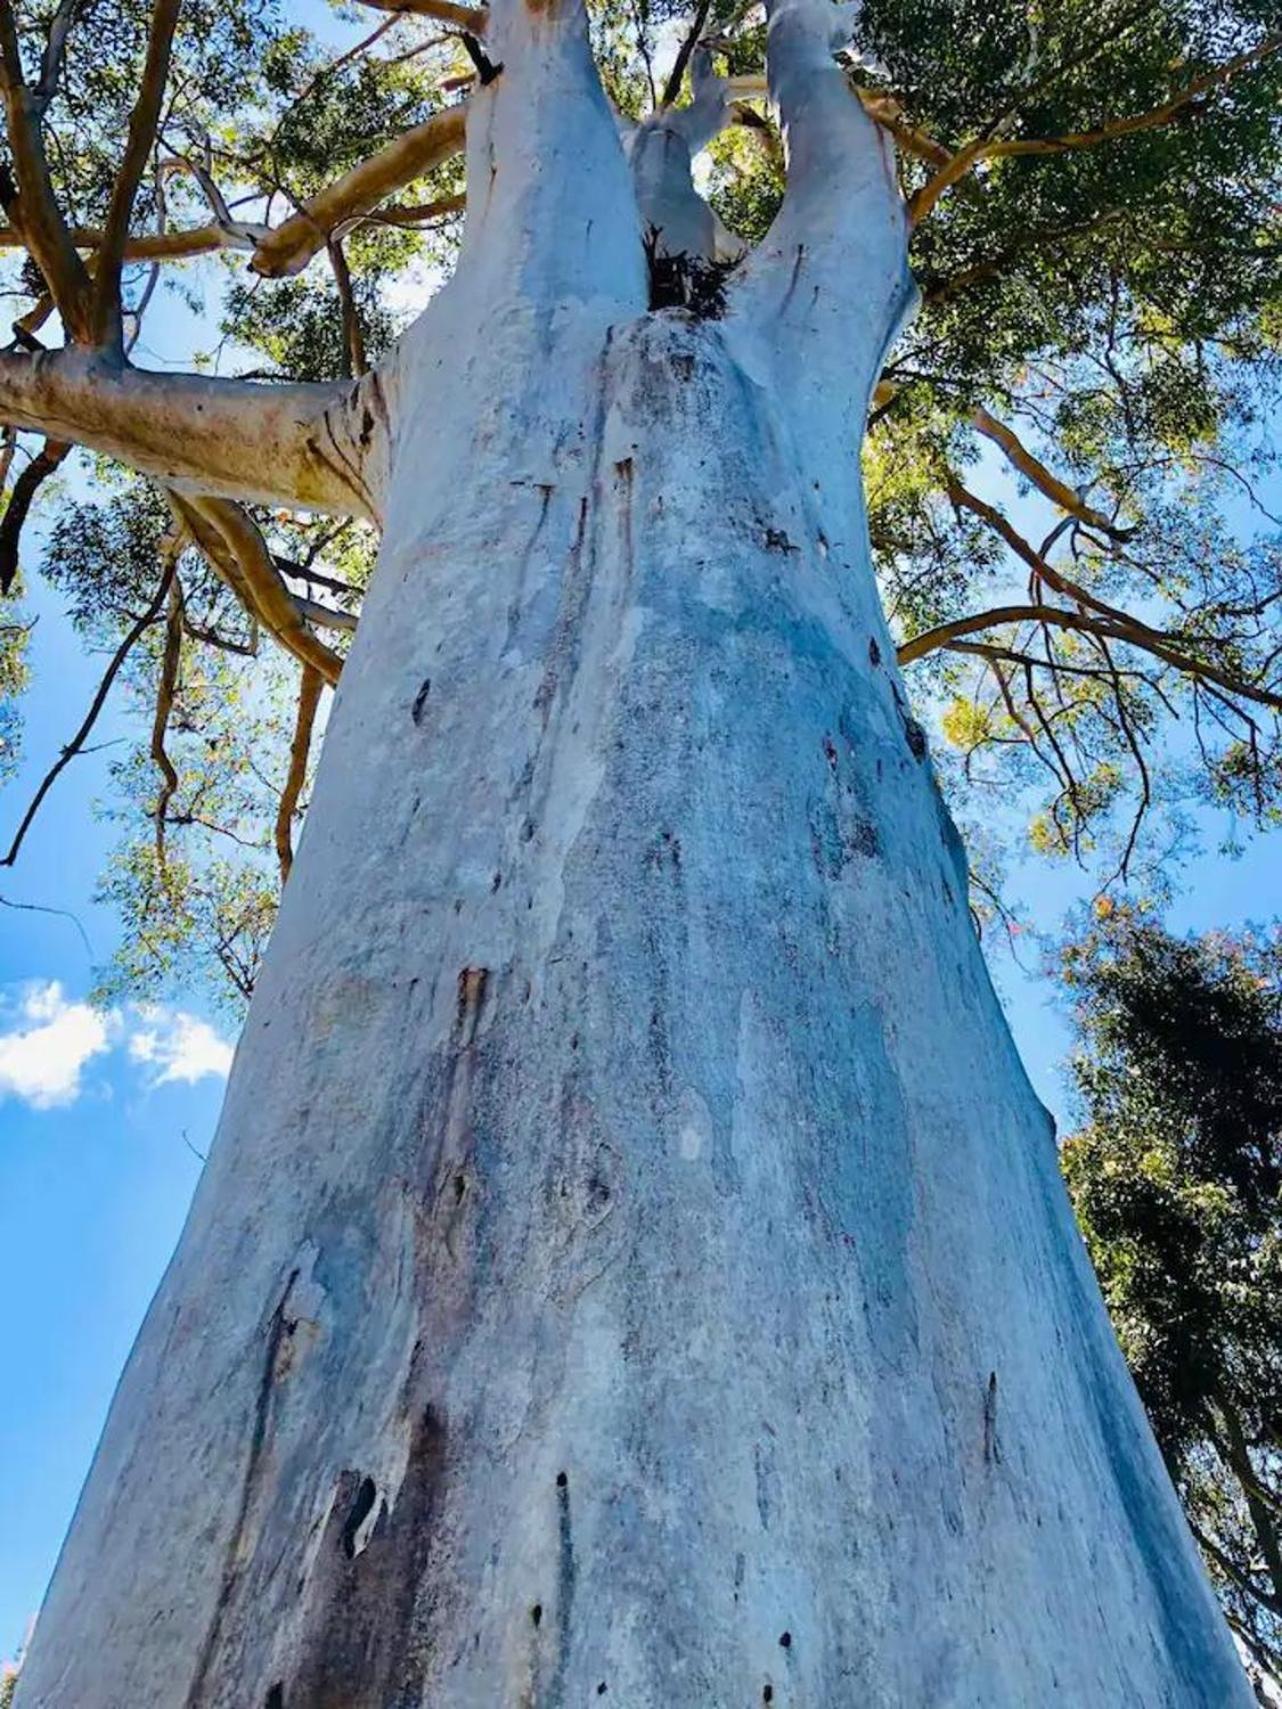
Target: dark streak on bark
[[279, 1329], [566, 1575], [354, 479], [792, 282], [992, 1448], [359, 1650]]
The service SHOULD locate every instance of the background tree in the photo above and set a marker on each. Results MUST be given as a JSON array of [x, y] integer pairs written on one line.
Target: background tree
[[1176, 1177], [624, 1002]]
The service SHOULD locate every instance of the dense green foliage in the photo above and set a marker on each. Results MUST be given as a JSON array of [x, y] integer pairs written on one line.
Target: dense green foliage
[[1176, 1176], [1104, 281]]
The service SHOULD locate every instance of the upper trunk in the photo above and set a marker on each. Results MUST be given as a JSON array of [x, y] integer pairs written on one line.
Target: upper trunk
[[632, 1261], [632, 1255]]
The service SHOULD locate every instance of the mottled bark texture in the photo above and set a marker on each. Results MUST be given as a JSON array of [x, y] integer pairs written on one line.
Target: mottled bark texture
[[633, 1266]]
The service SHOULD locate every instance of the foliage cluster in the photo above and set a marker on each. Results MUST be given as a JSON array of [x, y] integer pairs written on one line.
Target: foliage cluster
[[1176, 1177]]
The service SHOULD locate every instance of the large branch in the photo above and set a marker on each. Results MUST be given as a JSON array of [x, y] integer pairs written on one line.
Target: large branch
[[292, 244], [304, 445], [143, 121], [830, 279], [32, 204], [238, 554], [473, 19]]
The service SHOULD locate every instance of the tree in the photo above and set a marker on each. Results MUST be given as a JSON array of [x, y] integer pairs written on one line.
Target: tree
[[632, 1260], [1177, 1181]]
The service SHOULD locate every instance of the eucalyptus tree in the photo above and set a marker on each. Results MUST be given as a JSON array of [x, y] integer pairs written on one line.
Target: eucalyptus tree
[[632, 1260]]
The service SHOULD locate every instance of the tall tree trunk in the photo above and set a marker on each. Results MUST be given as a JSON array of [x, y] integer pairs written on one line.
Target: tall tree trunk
[[632, 1264]]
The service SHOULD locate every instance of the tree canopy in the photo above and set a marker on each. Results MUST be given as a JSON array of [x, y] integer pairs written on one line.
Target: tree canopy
[[1067, 462], [1176, 1177]]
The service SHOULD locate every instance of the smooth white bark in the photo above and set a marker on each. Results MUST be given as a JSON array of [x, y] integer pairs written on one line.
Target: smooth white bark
[[661, 151], [632, 1265]]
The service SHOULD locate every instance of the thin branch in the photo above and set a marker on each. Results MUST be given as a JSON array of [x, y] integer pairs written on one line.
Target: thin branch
[[171, 659], [54, 51], [96, 705], [160, 246], [1127, 631], [988, 147], [44, 908], [1022, 459], [305, 573], [308, 699], [672, 87], [417, 213], [324, 616], [1213, 79], [355, 360], [889, 115], [1042, 570]]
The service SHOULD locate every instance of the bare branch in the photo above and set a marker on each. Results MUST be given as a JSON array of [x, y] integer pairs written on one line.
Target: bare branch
[[159, 246], [418, 213], [1123, 629], [1021, 458], [355, 362], [165, 693], [292, 244], [324, 616], [55, 48], [309, 693], [672, 88], [889, 115]]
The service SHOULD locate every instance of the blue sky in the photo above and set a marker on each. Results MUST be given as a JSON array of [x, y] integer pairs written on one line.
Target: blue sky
[[102, 1117]]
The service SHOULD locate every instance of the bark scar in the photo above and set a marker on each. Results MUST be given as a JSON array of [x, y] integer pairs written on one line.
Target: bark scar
[[992, 1447]]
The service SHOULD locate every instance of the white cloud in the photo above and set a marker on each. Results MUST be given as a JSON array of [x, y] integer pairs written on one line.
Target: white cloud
[[41, 1059], [46, 1040], [178, 1046]]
